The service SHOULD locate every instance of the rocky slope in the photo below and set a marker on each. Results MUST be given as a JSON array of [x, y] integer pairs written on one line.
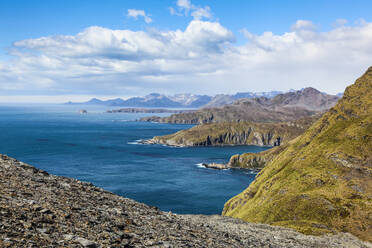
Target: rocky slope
[[236, 133], [322, 181], [42, 210], [283, 107]]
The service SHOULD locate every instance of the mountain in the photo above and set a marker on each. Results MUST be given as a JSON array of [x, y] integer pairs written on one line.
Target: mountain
[[283, 107], [151, 100], [174, 101], [321, 182], [309, 98], [220, 100], [223, 99], [191, 100], [93, 101], [269, 94]]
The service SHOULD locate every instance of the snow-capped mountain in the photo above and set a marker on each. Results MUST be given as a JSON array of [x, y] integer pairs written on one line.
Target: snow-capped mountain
[[186, 100]]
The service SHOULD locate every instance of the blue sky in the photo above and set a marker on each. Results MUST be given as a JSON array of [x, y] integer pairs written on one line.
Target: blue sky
[[225, 49]]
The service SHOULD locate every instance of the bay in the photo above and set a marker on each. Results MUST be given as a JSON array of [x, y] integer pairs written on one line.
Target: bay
[[101, 148]]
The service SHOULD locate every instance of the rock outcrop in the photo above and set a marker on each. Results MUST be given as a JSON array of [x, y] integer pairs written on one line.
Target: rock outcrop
[[216, 166], [42, 210], [322, 181], [255, 160]]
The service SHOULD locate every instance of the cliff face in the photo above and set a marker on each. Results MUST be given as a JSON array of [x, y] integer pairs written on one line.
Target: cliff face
[[322, 181], [235, 133], [255, 160], [41, 210]]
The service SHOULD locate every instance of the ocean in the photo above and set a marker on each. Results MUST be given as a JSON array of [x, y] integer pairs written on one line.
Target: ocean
[[102, 148]]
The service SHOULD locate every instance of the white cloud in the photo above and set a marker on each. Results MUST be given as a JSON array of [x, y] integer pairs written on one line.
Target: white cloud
[[201, 13], [197, 12], [186, 4], [134, 13], [202, 59], [303, 25]]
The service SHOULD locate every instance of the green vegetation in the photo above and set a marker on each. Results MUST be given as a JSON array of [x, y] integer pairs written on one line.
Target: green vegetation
[[255, 160], [322, 180], [237, 133]]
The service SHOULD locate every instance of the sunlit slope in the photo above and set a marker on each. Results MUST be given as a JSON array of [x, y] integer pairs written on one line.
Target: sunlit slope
[[323, 180]]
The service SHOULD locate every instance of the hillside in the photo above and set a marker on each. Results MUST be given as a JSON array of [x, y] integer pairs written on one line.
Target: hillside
[[322, 181], [283, 107], [236, 133], [42, 210]]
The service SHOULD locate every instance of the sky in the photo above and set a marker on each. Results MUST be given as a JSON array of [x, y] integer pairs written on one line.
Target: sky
[[56, 51]]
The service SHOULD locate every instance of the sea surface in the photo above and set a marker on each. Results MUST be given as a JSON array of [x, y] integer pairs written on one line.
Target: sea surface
[[102, 148]]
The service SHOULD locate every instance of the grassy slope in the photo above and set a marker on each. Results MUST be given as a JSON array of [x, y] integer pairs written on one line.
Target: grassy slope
[[323, 180]]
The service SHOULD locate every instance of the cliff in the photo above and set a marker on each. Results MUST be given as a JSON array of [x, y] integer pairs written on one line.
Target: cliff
[[255, 160], [322, 181], [42, 210], [236, 133]]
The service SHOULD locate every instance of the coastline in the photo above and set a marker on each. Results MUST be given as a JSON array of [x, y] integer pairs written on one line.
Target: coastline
[[40, 209]]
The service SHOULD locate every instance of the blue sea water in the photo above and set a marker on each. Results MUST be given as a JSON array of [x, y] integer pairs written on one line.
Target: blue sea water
[[101, 148]]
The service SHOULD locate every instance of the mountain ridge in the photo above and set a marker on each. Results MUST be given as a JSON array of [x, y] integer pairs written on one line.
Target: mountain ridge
[[283, 107], [186, 100]]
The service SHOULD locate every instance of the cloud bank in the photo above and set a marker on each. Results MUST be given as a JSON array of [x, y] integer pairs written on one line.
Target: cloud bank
[[202, 58]]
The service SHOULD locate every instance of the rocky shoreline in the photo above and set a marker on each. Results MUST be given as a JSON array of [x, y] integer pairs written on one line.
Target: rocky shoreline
[[42, 210]]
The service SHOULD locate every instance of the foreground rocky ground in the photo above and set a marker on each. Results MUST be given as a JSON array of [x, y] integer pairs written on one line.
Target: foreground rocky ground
[[42, 210]]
